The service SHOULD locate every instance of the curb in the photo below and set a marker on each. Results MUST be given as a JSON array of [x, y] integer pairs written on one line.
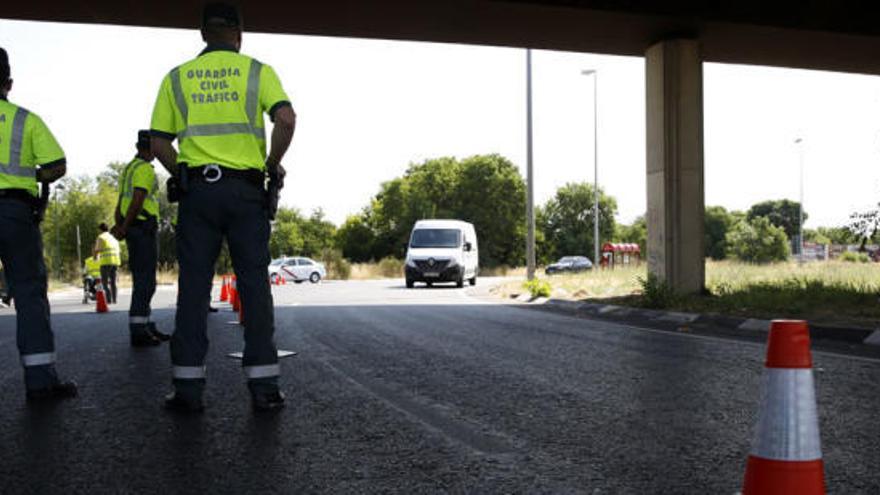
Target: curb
[[685, 322]]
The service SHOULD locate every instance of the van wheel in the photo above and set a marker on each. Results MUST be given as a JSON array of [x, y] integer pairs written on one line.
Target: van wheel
[[315, 277], [472, 281], [410, 284], [460, 282]]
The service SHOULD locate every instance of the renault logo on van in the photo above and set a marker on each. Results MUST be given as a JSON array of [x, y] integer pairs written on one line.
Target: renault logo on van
[[431, 262]]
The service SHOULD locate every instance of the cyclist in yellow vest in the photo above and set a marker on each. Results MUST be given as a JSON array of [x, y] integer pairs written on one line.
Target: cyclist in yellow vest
[[107, 251], [137, 221], [28, 154], [92, 275], [214, 106]]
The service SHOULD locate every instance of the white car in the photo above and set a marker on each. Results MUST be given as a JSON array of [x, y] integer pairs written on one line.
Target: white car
[[297, 270]]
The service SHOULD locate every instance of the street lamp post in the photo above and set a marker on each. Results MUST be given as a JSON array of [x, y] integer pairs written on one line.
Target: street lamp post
[[800, 144], [595, 74], [59, 187], [530, 179]]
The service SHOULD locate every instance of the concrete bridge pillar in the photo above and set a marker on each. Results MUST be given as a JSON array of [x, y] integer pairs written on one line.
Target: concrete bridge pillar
[[676, 203]]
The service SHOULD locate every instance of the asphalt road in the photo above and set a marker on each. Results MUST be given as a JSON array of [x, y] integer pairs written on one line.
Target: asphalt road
[[417, 391]]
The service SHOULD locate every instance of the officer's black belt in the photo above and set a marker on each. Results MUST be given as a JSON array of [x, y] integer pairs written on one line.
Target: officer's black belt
[[19, 195], [215, 173], [141, 222]]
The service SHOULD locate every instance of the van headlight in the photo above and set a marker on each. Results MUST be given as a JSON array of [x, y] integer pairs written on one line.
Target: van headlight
[[411, 263]]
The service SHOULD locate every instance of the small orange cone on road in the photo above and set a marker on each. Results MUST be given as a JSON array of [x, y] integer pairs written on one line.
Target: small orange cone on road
[[236, 303], [786, 455], [100, 300], [224, 290]]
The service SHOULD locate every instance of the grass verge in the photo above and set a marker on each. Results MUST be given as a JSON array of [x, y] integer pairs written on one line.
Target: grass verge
[[831, 293]]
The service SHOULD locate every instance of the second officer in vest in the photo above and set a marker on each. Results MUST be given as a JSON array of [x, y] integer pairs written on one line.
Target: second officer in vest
[[214, 106], [137, 221]]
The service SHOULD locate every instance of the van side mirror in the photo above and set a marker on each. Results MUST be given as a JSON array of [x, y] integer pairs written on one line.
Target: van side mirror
[[468, 246]]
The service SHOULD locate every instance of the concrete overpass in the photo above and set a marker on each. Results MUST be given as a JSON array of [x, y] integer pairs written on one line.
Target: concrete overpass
[[674, 36]]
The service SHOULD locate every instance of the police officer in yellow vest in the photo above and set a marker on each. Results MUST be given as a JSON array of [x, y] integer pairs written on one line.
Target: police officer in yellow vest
[[214, 105], [137, 221], [28, 154], [108, 252]]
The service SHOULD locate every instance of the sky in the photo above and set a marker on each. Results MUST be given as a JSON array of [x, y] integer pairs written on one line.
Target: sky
[[369, 108]]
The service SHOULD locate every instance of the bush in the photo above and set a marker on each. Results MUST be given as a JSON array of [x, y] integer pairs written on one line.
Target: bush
[[391, 267], [656, 293], [338, 268], [538, 288], [852, 257], [756, 240]]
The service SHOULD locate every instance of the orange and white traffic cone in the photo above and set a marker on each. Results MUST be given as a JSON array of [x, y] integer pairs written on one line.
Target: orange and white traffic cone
[[100, 299], [236, 303], [224, 290], [786, 455]]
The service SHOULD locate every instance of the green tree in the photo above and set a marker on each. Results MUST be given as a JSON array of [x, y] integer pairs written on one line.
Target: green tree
[[491, 194], [837, 235], [317, 234], [356, 239], [75, 202], [718, 222], [486, 190], [568, 220], [782, 213], [758, 241], [286, 238], [815, 235]]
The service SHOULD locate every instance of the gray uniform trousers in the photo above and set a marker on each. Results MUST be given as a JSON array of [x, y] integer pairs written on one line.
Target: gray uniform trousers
[[236, 210], [21, 250], [143, 255]]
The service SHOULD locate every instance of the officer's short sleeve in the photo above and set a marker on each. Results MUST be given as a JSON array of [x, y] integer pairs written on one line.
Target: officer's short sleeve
[[272, 95], [165, 122], [44, 148], [143, 178]]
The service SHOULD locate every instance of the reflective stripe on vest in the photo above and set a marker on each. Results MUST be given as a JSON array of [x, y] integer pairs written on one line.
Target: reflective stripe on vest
[[252, 100], [14, 167], [41, 359]]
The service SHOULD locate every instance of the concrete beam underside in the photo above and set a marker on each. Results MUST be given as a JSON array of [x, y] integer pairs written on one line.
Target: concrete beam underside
[[676, 203]]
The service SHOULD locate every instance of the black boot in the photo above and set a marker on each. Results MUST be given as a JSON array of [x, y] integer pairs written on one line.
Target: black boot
[[178, 403], [54, 392], [141, 336], [162, 337]]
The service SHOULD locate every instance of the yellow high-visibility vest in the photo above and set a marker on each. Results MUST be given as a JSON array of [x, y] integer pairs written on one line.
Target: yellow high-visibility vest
[[25, 142], [93, 267], [108, 250], [139, 174], [214, 105]]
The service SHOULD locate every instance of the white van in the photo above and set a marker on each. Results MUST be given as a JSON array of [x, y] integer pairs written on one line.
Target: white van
[[442, 251]]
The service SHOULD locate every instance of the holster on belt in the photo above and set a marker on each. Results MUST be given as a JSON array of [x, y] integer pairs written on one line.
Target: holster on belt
[[178, 185], [42, 202], [273, 192]]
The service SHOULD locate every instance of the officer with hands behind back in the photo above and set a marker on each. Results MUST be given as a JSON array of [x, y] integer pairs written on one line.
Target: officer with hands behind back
[[213, 105], [137, 222], [29, 155]]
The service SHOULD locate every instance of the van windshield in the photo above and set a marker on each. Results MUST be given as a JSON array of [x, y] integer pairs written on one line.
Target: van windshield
[[435, 238]]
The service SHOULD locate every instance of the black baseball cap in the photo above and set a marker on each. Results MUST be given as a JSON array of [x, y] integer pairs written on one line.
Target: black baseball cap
[[220, 14], [4, 66], [143, 139]]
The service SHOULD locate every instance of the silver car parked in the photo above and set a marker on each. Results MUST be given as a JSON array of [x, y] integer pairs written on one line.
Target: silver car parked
[[296, 269]]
